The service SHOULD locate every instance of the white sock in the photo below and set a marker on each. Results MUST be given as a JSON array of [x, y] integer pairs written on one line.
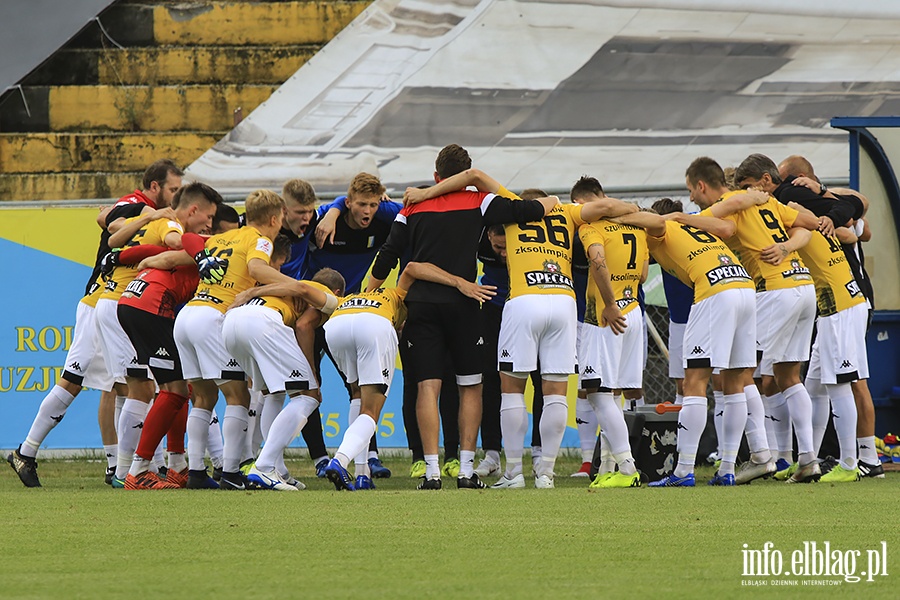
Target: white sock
[[844, 408], [272, 405], [718, 414], [215, 444], [355, 407], [800, 407], [626, 462], [234, 432], [177, 461], [679, 399], [280, 466], [360, 459], [734, 418], [756, 426], [821, 409], [612, 420], [587, 428], [120, 402], [131, 421], [284, 429], [356, 439], [607, 460], [361, 465], [778, 417], [492, 456], [198, 436], [138, 466], [52, 410], [691, 423], [553, 427], [253, 435], [637, 402], [513, 426], [159, 455], [111, 451], [466, 463], [867, 451], [432, 467], [535, 457]]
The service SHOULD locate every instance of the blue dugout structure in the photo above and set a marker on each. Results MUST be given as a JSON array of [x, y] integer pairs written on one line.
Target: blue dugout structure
[[874, 145]]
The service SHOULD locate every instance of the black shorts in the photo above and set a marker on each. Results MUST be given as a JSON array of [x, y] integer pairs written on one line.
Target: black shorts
[[154, 343], [433, 331]]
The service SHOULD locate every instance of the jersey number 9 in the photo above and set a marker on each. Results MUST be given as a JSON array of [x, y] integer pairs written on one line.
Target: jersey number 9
[[772, 223]]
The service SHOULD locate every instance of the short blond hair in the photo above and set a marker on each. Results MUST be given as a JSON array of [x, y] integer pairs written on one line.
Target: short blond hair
[[300, 192], [365, 184], [728, 172], [262, 205]]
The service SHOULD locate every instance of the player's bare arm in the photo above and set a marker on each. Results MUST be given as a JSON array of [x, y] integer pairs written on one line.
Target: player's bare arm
[[429, 272], [167, 260], [314, 297], [798, 237], [606, 207], [173, 240], [326, 226], [850, 192], [739, 202], [845, 235], [807, 220], [720, 228], [548, 202], [611, 315], [474, 177], [122, 232], [810, 221], [374, 284], [101, 216], [117, 224], [866, 234], [263, 273], [809, 183], [652, 223]]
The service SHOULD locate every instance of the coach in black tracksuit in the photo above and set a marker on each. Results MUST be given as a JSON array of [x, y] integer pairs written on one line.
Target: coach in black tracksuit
[[445, 232]]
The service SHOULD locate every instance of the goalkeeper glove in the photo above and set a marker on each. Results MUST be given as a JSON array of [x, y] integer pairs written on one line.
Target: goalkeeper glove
[[212, 269]]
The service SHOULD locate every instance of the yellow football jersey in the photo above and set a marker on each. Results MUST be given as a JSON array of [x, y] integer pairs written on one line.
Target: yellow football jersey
[[759, 227], [153, 234], [626, 252], [285, 306], [836, 288], [239, 246], [289, 307], [384, 302], [539, 254], [699, 259], [746, 259]]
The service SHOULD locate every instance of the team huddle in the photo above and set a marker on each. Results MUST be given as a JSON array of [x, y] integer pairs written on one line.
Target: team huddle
[[188, 299]]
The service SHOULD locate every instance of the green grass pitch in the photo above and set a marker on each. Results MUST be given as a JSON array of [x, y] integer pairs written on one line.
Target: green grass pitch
[[78, 538]]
